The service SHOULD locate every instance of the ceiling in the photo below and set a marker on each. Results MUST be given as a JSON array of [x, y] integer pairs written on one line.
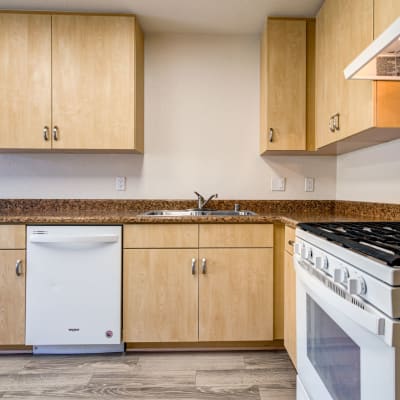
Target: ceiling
[[195, 16]]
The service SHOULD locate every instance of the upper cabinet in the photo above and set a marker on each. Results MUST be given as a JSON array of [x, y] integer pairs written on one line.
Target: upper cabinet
[[351, 114], [71, 82], [344, 29], [287, 85], [25, 81]]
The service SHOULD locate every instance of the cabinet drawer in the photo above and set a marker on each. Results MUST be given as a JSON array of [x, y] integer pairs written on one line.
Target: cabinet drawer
[[236, 235], [290, 236], [12, 236], [161, 236]]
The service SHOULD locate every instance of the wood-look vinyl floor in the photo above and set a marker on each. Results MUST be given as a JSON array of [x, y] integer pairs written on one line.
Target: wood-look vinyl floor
[[263, 375]]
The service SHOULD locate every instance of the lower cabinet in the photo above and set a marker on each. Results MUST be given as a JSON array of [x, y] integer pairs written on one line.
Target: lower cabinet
[[290, 297], [236, 295], [204, 294], [12, 285], [160, 295]]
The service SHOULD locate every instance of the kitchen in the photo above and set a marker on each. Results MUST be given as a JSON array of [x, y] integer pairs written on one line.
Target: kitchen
[[202, 297]]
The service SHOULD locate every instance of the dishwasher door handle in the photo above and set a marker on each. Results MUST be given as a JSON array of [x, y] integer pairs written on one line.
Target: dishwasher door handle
[[73, 238]]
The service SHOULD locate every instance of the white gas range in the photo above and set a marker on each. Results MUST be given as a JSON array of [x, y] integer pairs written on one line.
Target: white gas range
[[348, 311]]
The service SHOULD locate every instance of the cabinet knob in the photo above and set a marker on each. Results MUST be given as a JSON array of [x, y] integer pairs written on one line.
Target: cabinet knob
[[55, 133], [271, 135], [291, 243], [18, 267], [193, 266], [46, 133], [204, 266]]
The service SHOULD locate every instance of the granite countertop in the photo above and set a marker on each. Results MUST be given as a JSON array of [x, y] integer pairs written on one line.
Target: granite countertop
[[289, 212]]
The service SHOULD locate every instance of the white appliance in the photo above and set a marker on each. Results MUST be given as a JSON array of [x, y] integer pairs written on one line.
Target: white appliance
[[380, 60], [348, 311], [73, 289]]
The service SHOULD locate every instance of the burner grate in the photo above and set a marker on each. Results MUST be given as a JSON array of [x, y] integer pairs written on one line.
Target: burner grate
[[380, 240]]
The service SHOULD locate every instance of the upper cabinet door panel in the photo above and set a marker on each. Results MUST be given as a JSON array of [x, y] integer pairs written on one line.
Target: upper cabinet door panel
[[25, 80], [286, 66], [94, 82], [354, 34], [326, 72]]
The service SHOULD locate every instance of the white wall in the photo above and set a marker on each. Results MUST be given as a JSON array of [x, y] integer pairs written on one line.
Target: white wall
[[202, 124], [371, 174]]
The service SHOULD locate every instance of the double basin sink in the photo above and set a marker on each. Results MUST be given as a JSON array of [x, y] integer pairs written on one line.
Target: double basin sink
[[199, 213]]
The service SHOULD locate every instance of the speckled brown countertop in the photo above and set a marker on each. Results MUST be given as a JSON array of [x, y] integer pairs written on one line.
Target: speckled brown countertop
[[290, 212]]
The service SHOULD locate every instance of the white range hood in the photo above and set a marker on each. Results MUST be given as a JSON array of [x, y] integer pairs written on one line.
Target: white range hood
[[380, 60]]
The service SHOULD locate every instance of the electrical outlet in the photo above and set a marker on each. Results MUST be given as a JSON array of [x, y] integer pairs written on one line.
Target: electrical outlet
[[278, 184], [309, 184], [120, 183]]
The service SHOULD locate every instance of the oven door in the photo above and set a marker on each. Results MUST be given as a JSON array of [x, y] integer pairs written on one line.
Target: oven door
[[337, 357]]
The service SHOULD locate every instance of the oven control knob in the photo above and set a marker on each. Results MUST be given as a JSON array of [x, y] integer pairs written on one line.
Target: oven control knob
[[340, 275], [306, 253], [357, 286], [321, 262], [297, 249]]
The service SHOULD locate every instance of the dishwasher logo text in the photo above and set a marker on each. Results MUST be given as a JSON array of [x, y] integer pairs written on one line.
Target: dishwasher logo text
[[73, 329]]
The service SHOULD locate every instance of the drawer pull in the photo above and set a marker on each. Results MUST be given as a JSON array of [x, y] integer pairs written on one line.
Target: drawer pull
[[55, 133], [336, 122], [291, 242], [331, 124], [204, 266], [193, 266], [18, 267], [46, 133]]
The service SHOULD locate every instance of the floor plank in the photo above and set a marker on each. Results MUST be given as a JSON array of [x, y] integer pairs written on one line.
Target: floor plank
[[236, 375], [278, 394]]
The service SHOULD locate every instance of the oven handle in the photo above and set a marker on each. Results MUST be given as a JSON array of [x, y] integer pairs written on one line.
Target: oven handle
[[369, 321]]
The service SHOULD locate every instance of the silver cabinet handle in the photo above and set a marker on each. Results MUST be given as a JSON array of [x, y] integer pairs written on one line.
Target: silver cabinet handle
[[291, 242], [55, 133], [271, 135], [336, 122], [204, 266], [193, 266], [331, 125], [46, 133], [18, 267]]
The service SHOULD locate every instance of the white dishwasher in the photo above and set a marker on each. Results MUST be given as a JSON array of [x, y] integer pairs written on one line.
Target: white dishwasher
[[73, 289]]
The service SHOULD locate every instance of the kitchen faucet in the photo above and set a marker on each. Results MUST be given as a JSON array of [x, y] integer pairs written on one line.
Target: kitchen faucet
[[202, 202]]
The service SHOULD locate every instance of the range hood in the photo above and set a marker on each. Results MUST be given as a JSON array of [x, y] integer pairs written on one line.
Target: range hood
[[380, 60]]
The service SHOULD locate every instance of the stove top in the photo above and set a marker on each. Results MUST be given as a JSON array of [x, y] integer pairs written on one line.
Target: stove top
[[380, 240]]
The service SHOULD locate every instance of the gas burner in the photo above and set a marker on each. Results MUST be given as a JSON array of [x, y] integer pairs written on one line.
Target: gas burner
[[380, 240]]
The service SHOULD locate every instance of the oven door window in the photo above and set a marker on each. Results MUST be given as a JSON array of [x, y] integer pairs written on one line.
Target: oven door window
[[333, 354]]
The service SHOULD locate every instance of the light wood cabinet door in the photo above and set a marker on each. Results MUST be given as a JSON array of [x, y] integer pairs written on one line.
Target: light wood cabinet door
[[160, 296], [290, 308], [385, 13], [344, 29], [236, 295], [25, 81], [326, 71], [12, 297], [95, 85], [354, 32], [283, 85]]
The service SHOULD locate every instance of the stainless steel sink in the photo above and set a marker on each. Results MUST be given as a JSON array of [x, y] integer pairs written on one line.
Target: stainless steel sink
[[198, 213]]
